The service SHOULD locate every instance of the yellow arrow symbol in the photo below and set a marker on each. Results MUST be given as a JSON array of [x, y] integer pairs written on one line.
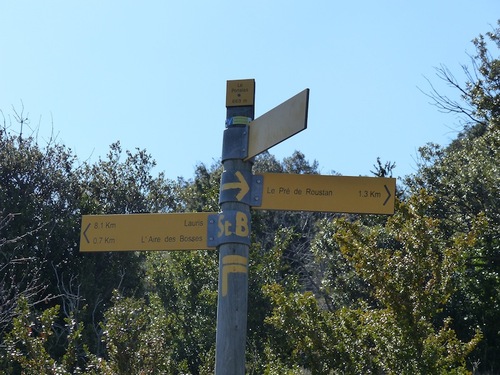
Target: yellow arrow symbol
[[241, 184]]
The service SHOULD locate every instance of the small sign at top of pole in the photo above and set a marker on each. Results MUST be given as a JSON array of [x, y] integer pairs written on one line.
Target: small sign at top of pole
[[240, 93]]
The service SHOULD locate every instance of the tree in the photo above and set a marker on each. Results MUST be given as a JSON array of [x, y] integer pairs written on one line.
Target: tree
[[408, 264], [137, 337], [38, 200], [43, 193], [118, 184], [186, 285], [10, 270], [463, 178], [479, 107]]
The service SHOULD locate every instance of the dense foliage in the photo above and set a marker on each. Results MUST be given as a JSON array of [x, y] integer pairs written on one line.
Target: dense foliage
[[414, 293]]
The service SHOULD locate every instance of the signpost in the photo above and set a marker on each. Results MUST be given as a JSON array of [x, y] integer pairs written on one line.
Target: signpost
[[143, 232], [280, 123], [309, 192], [229, 230], [240, 93]]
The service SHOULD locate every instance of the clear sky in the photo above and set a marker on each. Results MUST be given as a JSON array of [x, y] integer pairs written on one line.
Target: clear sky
[[152, 74]]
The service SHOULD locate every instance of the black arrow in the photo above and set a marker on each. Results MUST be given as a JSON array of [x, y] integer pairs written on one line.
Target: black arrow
[[85, 233], [388, 196]]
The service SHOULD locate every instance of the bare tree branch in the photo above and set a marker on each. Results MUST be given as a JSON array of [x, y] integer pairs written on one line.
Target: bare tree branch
[[446, 105], [14, 281]]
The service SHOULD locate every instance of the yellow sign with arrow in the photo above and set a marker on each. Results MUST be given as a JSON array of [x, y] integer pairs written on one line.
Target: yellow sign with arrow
[[140, 232], [307, 192]]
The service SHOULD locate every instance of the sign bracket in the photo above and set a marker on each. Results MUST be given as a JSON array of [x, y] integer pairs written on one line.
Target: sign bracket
[[230, 226], [235, 142], [257, 190]]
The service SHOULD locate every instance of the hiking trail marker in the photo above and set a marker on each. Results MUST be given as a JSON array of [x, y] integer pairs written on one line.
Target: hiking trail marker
[[311, 192], [143, 232], [277, 125], [240, 191]]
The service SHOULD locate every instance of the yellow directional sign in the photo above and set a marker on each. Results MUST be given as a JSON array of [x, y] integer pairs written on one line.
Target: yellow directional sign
[[131, 232], [280, 123], [362, 195]]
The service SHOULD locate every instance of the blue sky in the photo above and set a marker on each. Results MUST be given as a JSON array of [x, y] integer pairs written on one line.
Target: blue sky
[[152, 74]]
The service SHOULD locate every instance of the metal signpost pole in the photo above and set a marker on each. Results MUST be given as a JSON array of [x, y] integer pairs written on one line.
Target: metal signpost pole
[[233, 231]]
